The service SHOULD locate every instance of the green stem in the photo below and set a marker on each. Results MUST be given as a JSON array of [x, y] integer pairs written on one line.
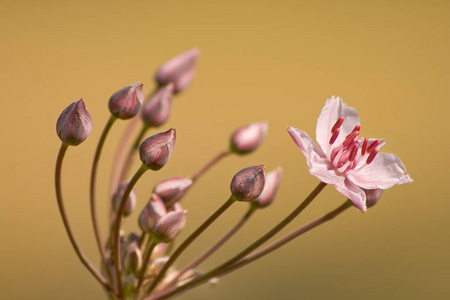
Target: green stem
[[84, 260], [148, 254], [213, 273], [188, 241], [94, 217], [118, 223], [211, 163], [328, 217], [214, 247], [132, 152]]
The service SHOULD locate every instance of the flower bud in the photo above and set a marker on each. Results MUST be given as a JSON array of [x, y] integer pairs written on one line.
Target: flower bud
[[170, 225], [156, 110], [248, 183], [156, 150], [152, 213], [126, 103], [131, 201], [74, 124], [133, 259], [372, 197], [172, 189], [179, 70], [272, 182], [247, 138]]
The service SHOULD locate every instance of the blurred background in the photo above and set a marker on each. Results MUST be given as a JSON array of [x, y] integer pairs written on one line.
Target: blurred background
[[261, 60]]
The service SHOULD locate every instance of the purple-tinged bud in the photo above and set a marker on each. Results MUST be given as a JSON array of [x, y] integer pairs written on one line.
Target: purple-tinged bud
[[170, 225], [372, 197], [152, 213], [126, 103], [131, 201], [179, 70], [172, 189], [247, 138], [156, 150], [74, 124], [272, 182], [156, 110], [133, 259], [248, 183]]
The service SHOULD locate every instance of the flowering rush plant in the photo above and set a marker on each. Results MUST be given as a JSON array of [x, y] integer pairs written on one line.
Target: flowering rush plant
[[141, 265]]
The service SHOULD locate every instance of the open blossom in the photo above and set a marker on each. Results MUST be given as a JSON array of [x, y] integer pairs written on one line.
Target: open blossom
[[344, 159]]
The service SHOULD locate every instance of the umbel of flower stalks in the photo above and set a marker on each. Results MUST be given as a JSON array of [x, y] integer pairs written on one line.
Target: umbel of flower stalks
[[74, 124]]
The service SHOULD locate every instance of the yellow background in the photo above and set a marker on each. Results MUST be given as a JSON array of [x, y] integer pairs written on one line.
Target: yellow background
[[261, 60]]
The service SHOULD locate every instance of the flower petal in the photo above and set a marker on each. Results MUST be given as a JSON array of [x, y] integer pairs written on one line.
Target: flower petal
[[385, 171], [334, 109], [319, 167], [303, 141], [354, 193]]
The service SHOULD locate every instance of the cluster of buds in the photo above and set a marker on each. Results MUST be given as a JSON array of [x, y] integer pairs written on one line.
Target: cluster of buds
[[140, 265]]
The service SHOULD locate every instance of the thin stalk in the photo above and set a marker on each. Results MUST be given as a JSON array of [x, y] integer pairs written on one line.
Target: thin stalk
[[211, 163], [121, 151], [142, 239], [189, 240], [328, 217], [132, 152], [202, 257], [148, 253], [94, 217], [117, 224], [59, 197], [259, 242]]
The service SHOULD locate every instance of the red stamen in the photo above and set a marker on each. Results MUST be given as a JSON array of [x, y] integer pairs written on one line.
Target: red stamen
[[357, 128], [373, 146], [337, 124], [350, 138], [364, 146], [334, 136], [371, 156], [353, 151]]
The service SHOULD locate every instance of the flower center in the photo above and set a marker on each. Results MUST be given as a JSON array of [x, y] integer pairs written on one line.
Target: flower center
[[345, 156]]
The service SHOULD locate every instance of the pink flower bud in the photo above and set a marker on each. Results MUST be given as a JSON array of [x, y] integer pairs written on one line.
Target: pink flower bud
[[272, 182], [179, 70], [156, 150], [248, 183], [126, 103], [156, 110], [170, 225], [172, 189], [152, 213], [131, 201], [133, 259], [74, 124], [247, 138], [372, 196]]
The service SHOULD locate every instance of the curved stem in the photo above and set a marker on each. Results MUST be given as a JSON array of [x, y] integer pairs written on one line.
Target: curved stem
[[120, 154], [214, 247], [189, 240], [131, 153], [211, 163], [148, 253], [207, 276], [94, 217], [328, 217], [118, 223], [84, 260]]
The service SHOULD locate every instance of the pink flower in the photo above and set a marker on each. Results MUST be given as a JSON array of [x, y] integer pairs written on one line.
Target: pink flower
[[345, 160]]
